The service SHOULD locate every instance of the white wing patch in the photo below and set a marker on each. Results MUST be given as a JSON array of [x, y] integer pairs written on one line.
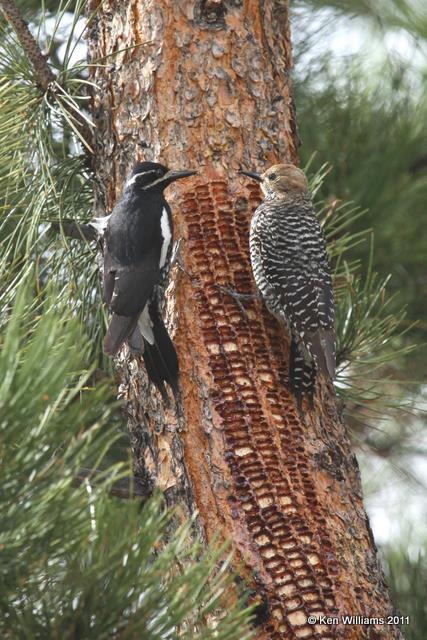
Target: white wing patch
[[146, 326], [100, 224], [166, 235]]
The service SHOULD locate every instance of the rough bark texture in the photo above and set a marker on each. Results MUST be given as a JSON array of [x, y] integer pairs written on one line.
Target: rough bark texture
[[211, 90]]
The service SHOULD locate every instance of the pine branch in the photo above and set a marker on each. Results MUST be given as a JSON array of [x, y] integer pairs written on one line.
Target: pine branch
[[44, 73], [45, 77], [124, 488], [75, 230]]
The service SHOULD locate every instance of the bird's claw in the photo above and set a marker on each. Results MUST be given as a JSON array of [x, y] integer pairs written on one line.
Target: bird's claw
[[238, 297]]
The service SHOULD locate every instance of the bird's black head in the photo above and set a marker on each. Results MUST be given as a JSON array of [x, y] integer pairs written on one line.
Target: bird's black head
[[152, 176]]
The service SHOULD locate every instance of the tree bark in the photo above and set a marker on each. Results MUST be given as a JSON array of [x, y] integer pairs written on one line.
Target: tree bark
[[206, 85]]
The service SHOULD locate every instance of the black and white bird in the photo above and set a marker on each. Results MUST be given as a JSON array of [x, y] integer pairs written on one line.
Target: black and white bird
[[137, 239], [292, 272]]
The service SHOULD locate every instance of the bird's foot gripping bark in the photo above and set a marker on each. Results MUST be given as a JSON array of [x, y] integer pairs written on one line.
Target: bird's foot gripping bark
[[238, 297], [176, 259]]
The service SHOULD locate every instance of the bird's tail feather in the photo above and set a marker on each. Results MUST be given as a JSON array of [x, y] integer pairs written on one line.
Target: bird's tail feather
[[322, 347], [119, 330], [302, 375], [160, 358]]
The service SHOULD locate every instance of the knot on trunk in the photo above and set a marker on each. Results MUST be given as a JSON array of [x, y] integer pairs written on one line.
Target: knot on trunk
[[210, 14]]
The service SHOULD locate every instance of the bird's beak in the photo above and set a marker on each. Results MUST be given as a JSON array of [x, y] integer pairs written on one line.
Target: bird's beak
[[251, 174], [168, 178], [171, 176]]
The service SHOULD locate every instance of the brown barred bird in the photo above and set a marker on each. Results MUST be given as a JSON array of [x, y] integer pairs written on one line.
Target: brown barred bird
[[292, 272]]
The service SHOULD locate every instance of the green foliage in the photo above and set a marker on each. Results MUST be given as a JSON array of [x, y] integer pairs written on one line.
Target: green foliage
[[369, 330], [41, 177], [407, 577], [75, 561], [410, 15], [375, 138], [31, 8], [365, 114], [366, 117]]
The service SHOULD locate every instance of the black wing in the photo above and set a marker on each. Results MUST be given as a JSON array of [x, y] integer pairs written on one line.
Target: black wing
[[128, 288], [131, 256]]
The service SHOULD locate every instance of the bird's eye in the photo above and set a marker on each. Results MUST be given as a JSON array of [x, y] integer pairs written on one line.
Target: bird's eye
[[159, 172], [272, 176]]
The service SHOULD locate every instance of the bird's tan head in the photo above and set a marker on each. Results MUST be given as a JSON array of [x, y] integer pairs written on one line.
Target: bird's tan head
[[283, 179]]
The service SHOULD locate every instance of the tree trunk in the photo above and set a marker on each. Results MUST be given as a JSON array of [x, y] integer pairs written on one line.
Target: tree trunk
[[206, 85]]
